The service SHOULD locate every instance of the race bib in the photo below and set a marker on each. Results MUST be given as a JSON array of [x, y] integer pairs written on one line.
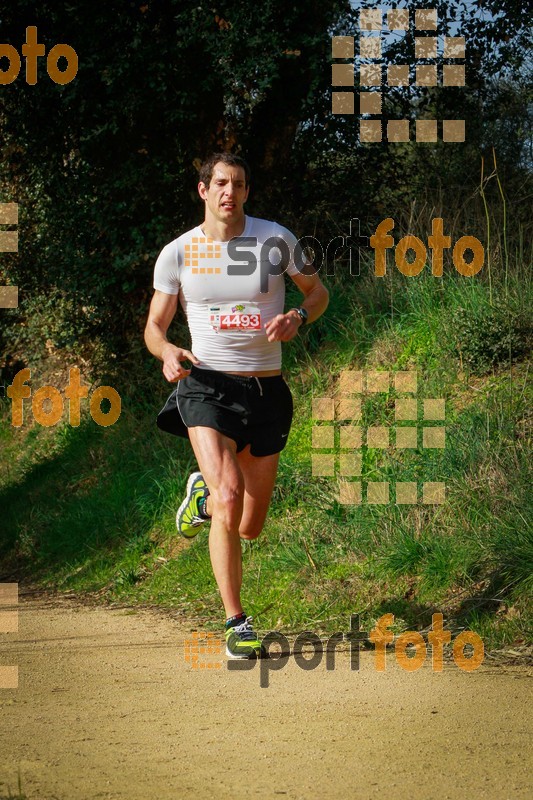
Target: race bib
[[235, 317]]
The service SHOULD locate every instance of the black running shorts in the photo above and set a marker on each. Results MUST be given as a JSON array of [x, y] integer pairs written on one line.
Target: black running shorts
[[254, 411]]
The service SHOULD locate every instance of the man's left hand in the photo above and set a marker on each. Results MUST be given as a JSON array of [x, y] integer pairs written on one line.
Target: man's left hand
[[283, 327]]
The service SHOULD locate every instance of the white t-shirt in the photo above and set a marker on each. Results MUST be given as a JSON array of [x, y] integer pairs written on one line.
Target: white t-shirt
[[229, 297]]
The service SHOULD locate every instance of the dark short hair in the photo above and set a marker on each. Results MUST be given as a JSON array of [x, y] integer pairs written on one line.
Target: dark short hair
[[206, 170]]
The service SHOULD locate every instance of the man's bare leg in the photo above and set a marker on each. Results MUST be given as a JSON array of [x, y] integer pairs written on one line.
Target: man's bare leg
[[217, 459], [240, 487], [259, 473]]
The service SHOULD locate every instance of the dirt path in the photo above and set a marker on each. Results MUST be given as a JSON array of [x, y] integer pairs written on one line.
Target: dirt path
[[107, 707]]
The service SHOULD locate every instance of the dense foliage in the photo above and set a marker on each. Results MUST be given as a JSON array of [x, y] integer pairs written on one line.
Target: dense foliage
[[104, 172], [103, 168]]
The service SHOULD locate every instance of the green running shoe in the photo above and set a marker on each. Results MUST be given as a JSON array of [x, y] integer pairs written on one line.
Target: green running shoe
[[189, 518], [242, 641]]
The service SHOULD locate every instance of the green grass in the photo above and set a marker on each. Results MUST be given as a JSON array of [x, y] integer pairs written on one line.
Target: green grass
[[92, 509]]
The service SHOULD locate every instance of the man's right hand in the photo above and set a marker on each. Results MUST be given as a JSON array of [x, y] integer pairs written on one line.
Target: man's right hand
[[172, 356]]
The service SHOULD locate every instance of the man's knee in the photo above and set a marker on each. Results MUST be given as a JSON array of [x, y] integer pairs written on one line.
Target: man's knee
[[226, 501], [250, 532], [251, 526]]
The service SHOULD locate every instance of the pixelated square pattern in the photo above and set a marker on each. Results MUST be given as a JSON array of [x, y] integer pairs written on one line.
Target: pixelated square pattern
[[398, 75], [426, 75], [9, 296], [342, 47], [322, 465], [370, 75], [433, 492], [406, 408], [370, 130], [406, 437], [9, 242], [453, 130], [370, 47], [202, 644], [377, 382], [370, 103], [355, 382], [202, 249], [350, 493], [426, 130], [377, 492], [323, 408], [351, 437], [9, 624], [342, 103], [453, 75], [454, 47], [9, 214], [323, 436], [398, 19], [342, 75], [434, 437], [405, 381], [351, 382], [398, 130], [349, 408], [426, 19], [435, 408], [371, 21], [9, 677], [377, 436], [425, 47], [350, 464], [406, 492], [8, 607]]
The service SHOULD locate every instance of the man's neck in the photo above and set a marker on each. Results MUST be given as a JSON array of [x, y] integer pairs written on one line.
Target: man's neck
[[220, 232]]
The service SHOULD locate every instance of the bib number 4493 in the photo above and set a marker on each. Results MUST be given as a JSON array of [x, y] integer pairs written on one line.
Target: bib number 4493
[[244, 321]]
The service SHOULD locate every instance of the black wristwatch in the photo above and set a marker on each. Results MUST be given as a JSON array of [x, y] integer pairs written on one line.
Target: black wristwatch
[[302, 313]]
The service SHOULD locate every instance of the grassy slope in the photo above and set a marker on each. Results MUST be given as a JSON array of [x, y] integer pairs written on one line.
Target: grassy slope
[[92, 509]]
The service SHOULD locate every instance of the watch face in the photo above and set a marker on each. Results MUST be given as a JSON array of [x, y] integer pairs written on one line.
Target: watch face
[[303, 314]]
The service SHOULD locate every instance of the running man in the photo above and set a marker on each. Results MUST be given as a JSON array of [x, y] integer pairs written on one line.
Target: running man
[[233, 402]]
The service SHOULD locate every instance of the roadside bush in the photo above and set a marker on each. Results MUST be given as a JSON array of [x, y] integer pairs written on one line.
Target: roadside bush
[[487, 336]]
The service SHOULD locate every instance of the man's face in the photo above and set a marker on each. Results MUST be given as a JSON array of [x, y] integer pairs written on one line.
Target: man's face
[[226, 194]]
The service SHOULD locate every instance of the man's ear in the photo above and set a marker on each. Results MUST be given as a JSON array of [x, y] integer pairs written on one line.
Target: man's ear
[[202, 190]]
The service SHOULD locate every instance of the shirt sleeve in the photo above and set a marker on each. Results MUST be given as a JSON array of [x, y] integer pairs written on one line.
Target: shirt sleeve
[[166, 278]]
